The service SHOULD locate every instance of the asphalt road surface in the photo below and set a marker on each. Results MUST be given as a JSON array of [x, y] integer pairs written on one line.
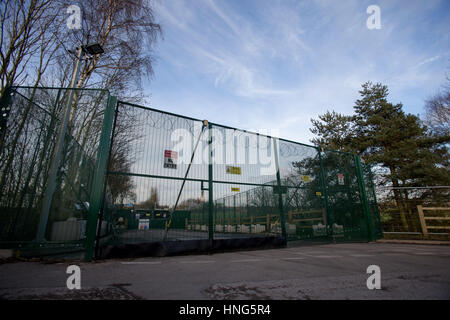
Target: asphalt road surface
[[332, 271]]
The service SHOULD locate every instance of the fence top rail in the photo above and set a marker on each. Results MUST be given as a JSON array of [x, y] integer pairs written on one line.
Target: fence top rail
[[429, 187], [435, 208], [437, 218], [318, 148], [157, 110], [16, 91], [35, 104], [264, 135], [49, 113], [60, 88]]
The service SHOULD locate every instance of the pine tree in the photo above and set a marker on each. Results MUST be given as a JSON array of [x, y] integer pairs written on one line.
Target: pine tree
[[334, 131], [386, 137]]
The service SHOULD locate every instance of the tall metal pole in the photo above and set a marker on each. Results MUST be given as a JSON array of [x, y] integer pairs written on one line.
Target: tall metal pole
[[377, 229], [365, 204], [330, 218], [50, 189], [96, 196], [280, 195], [105, 183], [205, 122], [210, 187]]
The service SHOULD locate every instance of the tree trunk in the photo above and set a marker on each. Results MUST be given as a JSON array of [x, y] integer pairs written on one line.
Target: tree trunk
[[399, 200]]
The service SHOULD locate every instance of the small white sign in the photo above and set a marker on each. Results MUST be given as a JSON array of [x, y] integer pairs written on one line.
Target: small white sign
[[144, 224]]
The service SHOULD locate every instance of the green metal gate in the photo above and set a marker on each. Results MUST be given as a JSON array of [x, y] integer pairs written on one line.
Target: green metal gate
[[213, 182], [132, 175]]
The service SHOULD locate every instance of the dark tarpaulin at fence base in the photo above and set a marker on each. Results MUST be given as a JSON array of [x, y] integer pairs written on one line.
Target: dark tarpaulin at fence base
[[170, 248]]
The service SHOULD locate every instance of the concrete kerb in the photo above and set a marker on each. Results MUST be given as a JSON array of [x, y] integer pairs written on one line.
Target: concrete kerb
[[425, 242]]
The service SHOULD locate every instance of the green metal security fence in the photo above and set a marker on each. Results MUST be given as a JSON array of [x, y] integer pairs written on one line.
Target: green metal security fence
[[41, 213], [178, 179], [130, 176]]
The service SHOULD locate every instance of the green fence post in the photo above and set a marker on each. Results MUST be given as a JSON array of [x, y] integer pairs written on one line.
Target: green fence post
[[280, 193], [210, 186], [330, 219], [248, 212], [105, 185], [96, 197], [378, 232], [362, 187]]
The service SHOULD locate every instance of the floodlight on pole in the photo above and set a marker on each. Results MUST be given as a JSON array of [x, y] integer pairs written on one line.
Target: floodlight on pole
[[93, 49]]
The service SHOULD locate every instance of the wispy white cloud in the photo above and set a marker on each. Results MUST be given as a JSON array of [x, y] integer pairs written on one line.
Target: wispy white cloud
[[281, 63], [428, 60], [231, 24], [239, 67]]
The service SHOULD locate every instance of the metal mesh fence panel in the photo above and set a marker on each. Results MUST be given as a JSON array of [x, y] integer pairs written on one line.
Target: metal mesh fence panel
[[149, 176], [147, 179], [243, 174], [303, 196], [28, 144], [183, 179], [372, 200], [346, 213], [251, 211]]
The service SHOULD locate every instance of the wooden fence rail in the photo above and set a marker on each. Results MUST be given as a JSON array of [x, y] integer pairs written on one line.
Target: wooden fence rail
[[423, 218]]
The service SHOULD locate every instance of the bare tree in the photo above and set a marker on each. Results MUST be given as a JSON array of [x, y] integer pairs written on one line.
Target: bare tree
[[152, 202], [437, 109], [28, 45], [26, 40], [127, 31], [34, 51]]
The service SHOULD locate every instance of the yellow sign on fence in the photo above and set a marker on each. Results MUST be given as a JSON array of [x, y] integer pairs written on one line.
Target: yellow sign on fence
[[233, 170]]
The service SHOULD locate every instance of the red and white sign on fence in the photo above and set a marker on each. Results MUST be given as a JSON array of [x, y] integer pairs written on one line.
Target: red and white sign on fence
[[170, 159], [341, 179]]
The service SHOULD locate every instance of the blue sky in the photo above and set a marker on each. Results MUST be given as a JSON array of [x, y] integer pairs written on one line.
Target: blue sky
[[274, 65]]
